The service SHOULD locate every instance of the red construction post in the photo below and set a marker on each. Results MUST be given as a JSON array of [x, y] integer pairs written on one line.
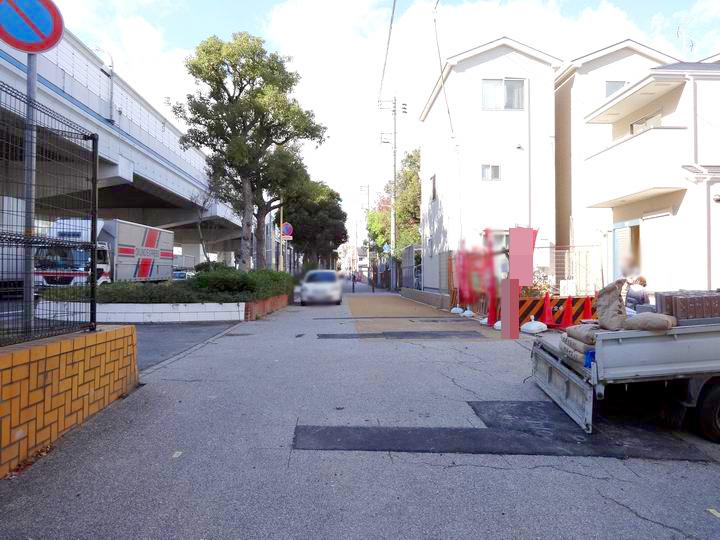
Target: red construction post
[[492, 308], [587, 310], [510, 308]]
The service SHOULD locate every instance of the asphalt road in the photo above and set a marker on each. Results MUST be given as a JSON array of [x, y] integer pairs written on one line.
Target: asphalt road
[[158, 342], [210, 447]]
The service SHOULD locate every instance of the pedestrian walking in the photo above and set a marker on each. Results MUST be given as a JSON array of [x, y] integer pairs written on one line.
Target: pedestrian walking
[[354, 279]]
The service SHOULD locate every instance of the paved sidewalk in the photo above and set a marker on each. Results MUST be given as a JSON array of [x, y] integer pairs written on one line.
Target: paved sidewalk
[[205, 450]]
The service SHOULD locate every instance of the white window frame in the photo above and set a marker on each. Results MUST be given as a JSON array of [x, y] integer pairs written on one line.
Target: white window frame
[[491, 169], [503, 84]]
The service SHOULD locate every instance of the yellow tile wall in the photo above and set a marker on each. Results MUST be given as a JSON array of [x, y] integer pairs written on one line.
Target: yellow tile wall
[[49, 386]]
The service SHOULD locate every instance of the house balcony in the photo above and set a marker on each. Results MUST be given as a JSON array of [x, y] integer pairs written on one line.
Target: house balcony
[[638, 167]]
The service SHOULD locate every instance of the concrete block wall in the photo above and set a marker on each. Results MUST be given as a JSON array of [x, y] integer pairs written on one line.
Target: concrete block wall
[[440, 301], [170, 313], [49, 386]]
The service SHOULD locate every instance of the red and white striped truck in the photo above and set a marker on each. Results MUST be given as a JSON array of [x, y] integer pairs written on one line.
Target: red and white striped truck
[[125, 252]]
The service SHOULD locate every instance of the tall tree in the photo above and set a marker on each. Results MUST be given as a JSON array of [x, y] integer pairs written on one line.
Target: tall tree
[[282, 175], [316, 214], [407, 206], [242, 110]]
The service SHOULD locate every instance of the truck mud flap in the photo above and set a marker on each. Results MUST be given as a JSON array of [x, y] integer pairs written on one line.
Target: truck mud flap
[[564, 387]]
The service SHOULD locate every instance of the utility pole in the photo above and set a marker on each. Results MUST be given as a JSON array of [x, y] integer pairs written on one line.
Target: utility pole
[[393, 211], [393, 106], [367, 227]]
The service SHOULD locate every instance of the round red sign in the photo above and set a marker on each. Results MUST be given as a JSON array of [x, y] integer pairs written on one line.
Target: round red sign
[[33, 26]]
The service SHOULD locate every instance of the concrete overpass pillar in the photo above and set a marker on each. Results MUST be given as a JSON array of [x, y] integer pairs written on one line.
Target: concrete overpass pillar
[[227, 257], [193, 251]]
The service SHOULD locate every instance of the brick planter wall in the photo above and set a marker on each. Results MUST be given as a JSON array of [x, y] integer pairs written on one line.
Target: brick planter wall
[[49, 386], [260, 308]]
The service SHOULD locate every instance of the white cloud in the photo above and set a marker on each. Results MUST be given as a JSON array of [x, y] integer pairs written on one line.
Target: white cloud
[[138, 48]]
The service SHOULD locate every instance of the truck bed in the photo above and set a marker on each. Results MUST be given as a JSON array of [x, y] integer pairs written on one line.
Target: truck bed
[[624, 357]]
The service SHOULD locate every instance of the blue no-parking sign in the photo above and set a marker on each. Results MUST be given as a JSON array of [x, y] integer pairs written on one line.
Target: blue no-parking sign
[[32, 26]]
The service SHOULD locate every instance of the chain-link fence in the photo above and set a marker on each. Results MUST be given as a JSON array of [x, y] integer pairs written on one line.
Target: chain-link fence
[[48, 221]]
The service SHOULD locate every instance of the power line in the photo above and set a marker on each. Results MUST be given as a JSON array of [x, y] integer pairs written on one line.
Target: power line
[[387, 49], [440, 65]]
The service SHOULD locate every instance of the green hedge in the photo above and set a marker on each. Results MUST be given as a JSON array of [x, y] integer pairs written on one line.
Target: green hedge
[[221, 286]]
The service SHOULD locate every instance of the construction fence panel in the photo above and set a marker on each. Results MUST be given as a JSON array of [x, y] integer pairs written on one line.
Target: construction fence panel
[[568, 271]]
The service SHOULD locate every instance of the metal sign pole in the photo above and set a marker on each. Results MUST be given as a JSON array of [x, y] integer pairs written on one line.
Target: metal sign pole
[[282, 254], [30, 148]]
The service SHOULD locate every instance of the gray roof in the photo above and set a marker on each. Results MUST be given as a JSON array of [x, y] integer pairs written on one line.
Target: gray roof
[[689, 66]]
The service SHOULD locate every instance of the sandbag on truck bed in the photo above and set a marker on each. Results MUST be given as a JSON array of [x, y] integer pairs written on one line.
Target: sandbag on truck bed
[[586, 333], [653, 322], [576, 345], [576, 359]]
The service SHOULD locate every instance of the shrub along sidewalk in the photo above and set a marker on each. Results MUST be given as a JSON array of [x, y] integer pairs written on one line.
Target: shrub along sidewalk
[[220, 285]]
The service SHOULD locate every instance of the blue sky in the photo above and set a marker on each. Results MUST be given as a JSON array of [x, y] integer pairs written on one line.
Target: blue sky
[[222, 17]]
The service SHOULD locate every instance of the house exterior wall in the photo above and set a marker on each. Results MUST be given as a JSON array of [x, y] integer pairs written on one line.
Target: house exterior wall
[[587, 225], [708, 121], [521, 142], [677, 230]]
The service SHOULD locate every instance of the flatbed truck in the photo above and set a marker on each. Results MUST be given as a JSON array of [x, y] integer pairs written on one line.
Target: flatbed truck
[[686, 357]]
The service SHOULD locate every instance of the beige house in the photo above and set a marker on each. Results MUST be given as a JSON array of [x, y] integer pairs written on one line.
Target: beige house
[[649, 177], [581, 86], [659, 175]]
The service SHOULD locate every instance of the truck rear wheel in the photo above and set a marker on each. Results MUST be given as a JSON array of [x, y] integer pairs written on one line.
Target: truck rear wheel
[[709, 414]]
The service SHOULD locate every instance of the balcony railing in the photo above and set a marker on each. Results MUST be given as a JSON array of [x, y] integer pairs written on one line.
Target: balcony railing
[[651, 159]]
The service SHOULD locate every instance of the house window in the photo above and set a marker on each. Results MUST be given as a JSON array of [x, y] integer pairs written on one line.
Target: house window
[[613, 86], [503, 94], [490, 173], [648, 122], [434, 188]]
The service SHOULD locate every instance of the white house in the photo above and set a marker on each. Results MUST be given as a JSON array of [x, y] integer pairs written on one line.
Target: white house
[[580, 87], [487, 151], [657, 173]]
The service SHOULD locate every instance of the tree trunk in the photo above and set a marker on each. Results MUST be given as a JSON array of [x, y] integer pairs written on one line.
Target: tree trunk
[[247, 226], [260, 240], [203, 243]]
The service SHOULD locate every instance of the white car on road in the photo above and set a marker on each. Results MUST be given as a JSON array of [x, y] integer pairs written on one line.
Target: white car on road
[[321, 286]]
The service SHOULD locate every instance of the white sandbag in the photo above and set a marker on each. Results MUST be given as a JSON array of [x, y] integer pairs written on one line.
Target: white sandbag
[[533, 327]]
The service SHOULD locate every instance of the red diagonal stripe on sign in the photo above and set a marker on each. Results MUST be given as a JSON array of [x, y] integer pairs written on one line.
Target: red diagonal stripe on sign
[[144, 268], [152, 238], [26, 19]]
